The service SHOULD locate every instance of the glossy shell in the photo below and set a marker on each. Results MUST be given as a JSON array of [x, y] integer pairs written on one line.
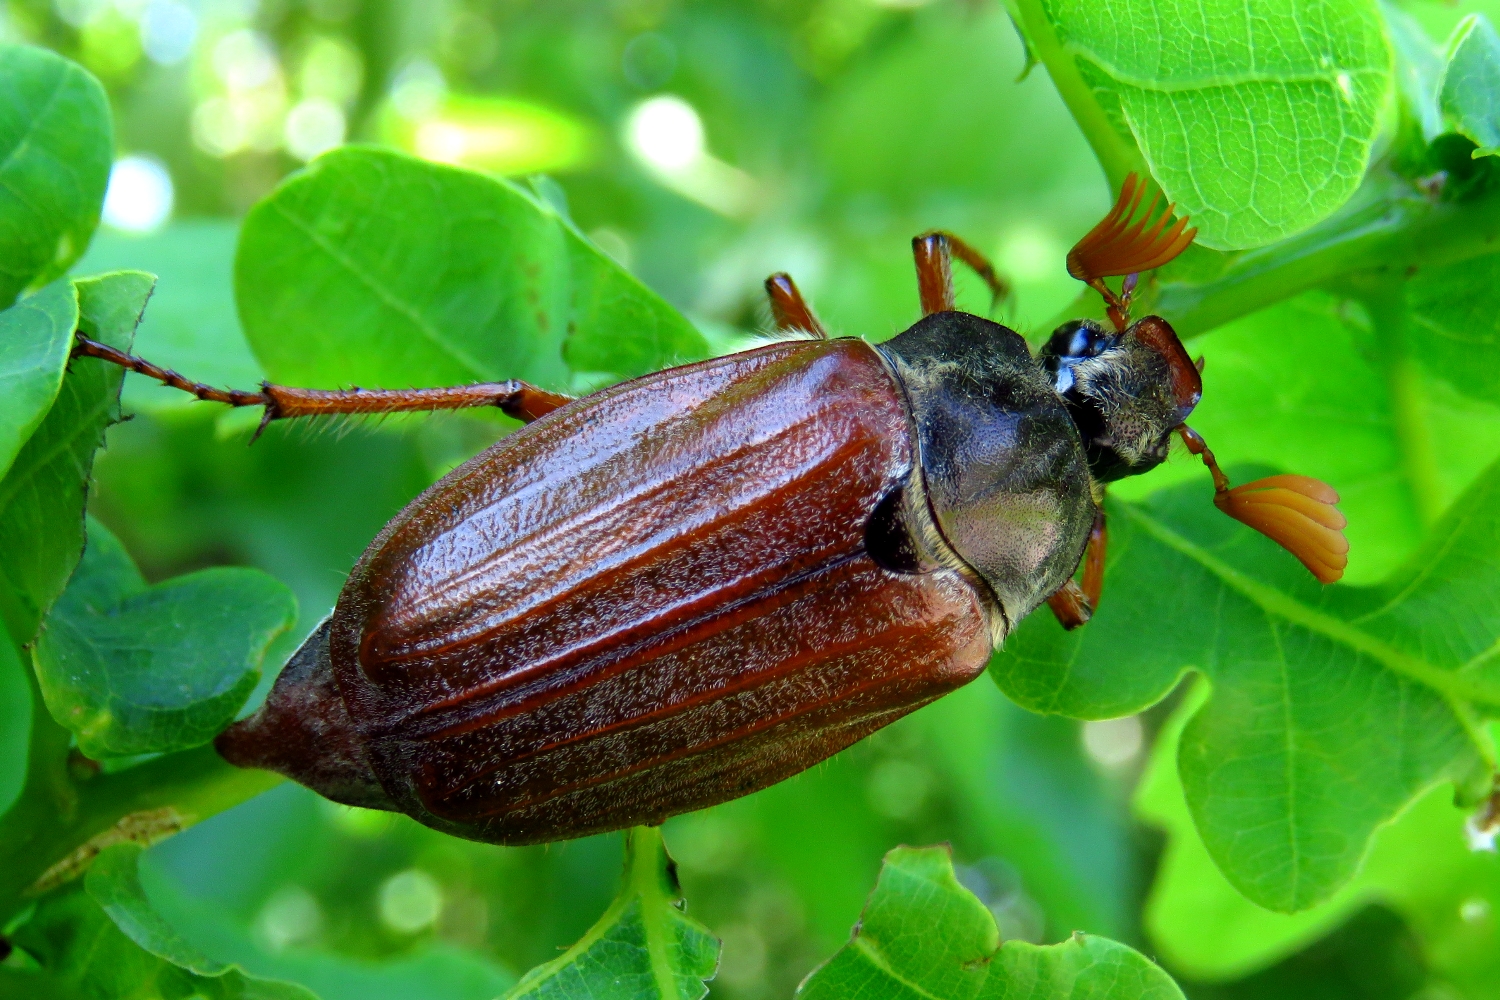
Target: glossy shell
[[652, 600]]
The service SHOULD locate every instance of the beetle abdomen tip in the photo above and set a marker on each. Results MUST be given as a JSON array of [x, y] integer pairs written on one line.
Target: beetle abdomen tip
[[304, 732]]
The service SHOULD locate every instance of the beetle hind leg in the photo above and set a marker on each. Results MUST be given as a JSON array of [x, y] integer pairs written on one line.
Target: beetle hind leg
[[521, 400]]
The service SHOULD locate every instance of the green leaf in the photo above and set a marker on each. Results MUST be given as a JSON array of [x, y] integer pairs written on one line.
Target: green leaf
[[1256, 124], [55, 149], [195, 910], [132, 669], [33, 984], [925, 937], [35, 337], [106, 943], [1455, 317], [1469, 94], [15, 722], [644, 945], [375, 268], [1420, 865], [114, 882], [1332, 707], [42, 496]]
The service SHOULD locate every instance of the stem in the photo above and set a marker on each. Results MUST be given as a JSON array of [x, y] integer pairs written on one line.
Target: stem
[[56, 815], [1385, 300], [1118, 155], [1387, 230]]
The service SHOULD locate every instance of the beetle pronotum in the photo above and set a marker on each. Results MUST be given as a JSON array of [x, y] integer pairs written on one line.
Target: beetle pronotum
[[688, 586]]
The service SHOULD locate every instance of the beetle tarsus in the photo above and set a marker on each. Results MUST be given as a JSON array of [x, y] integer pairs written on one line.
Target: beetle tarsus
[[85, 347]]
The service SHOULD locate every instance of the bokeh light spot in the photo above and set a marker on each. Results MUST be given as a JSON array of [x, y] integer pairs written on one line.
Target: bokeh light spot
[[666, 133], [1113, 742], [244, 60], [140, 194], [418, 90], [290, 917], [168, 31], [499, 135], [314, 126], [332, 69], [742, 963], [410, 901]]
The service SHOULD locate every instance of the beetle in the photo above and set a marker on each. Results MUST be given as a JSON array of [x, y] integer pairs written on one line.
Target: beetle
[[688, 586]]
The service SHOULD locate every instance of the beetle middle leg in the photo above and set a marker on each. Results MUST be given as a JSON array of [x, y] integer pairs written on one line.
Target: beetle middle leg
[[1074, 605], [520, 400]]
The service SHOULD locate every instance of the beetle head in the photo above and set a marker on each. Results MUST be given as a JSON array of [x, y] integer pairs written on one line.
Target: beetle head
[[1126, 391]]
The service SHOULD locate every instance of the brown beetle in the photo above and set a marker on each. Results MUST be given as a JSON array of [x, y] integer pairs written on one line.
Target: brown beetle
[[689, 586]]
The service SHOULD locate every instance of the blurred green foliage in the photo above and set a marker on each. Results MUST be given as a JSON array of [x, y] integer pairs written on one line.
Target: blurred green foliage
[[831, 131]]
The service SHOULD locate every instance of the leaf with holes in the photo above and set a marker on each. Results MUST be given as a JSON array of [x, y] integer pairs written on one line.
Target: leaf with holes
[[924, 935], [132, 669], [1332, 708]]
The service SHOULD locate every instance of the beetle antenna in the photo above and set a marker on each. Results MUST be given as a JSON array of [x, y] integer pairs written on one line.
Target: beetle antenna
[[1295, 512], [1117, 246]]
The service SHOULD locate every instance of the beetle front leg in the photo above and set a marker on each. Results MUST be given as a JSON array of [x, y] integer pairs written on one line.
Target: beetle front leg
[[520, 400], [978, 263], [789, 309], [1074, 605], [934, 273]]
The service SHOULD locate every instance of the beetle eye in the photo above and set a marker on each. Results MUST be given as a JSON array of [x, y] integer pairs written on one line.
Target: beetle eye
[[1078, 339]]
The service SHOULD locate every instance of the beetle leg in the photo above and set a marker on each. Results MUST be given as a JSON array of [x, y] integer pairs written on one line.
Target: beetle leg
[[516, 399], [1070, 606], [1295, 512], [934, 273], [978, 263], [789, 309], [1074, 605], [1093, 560]]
